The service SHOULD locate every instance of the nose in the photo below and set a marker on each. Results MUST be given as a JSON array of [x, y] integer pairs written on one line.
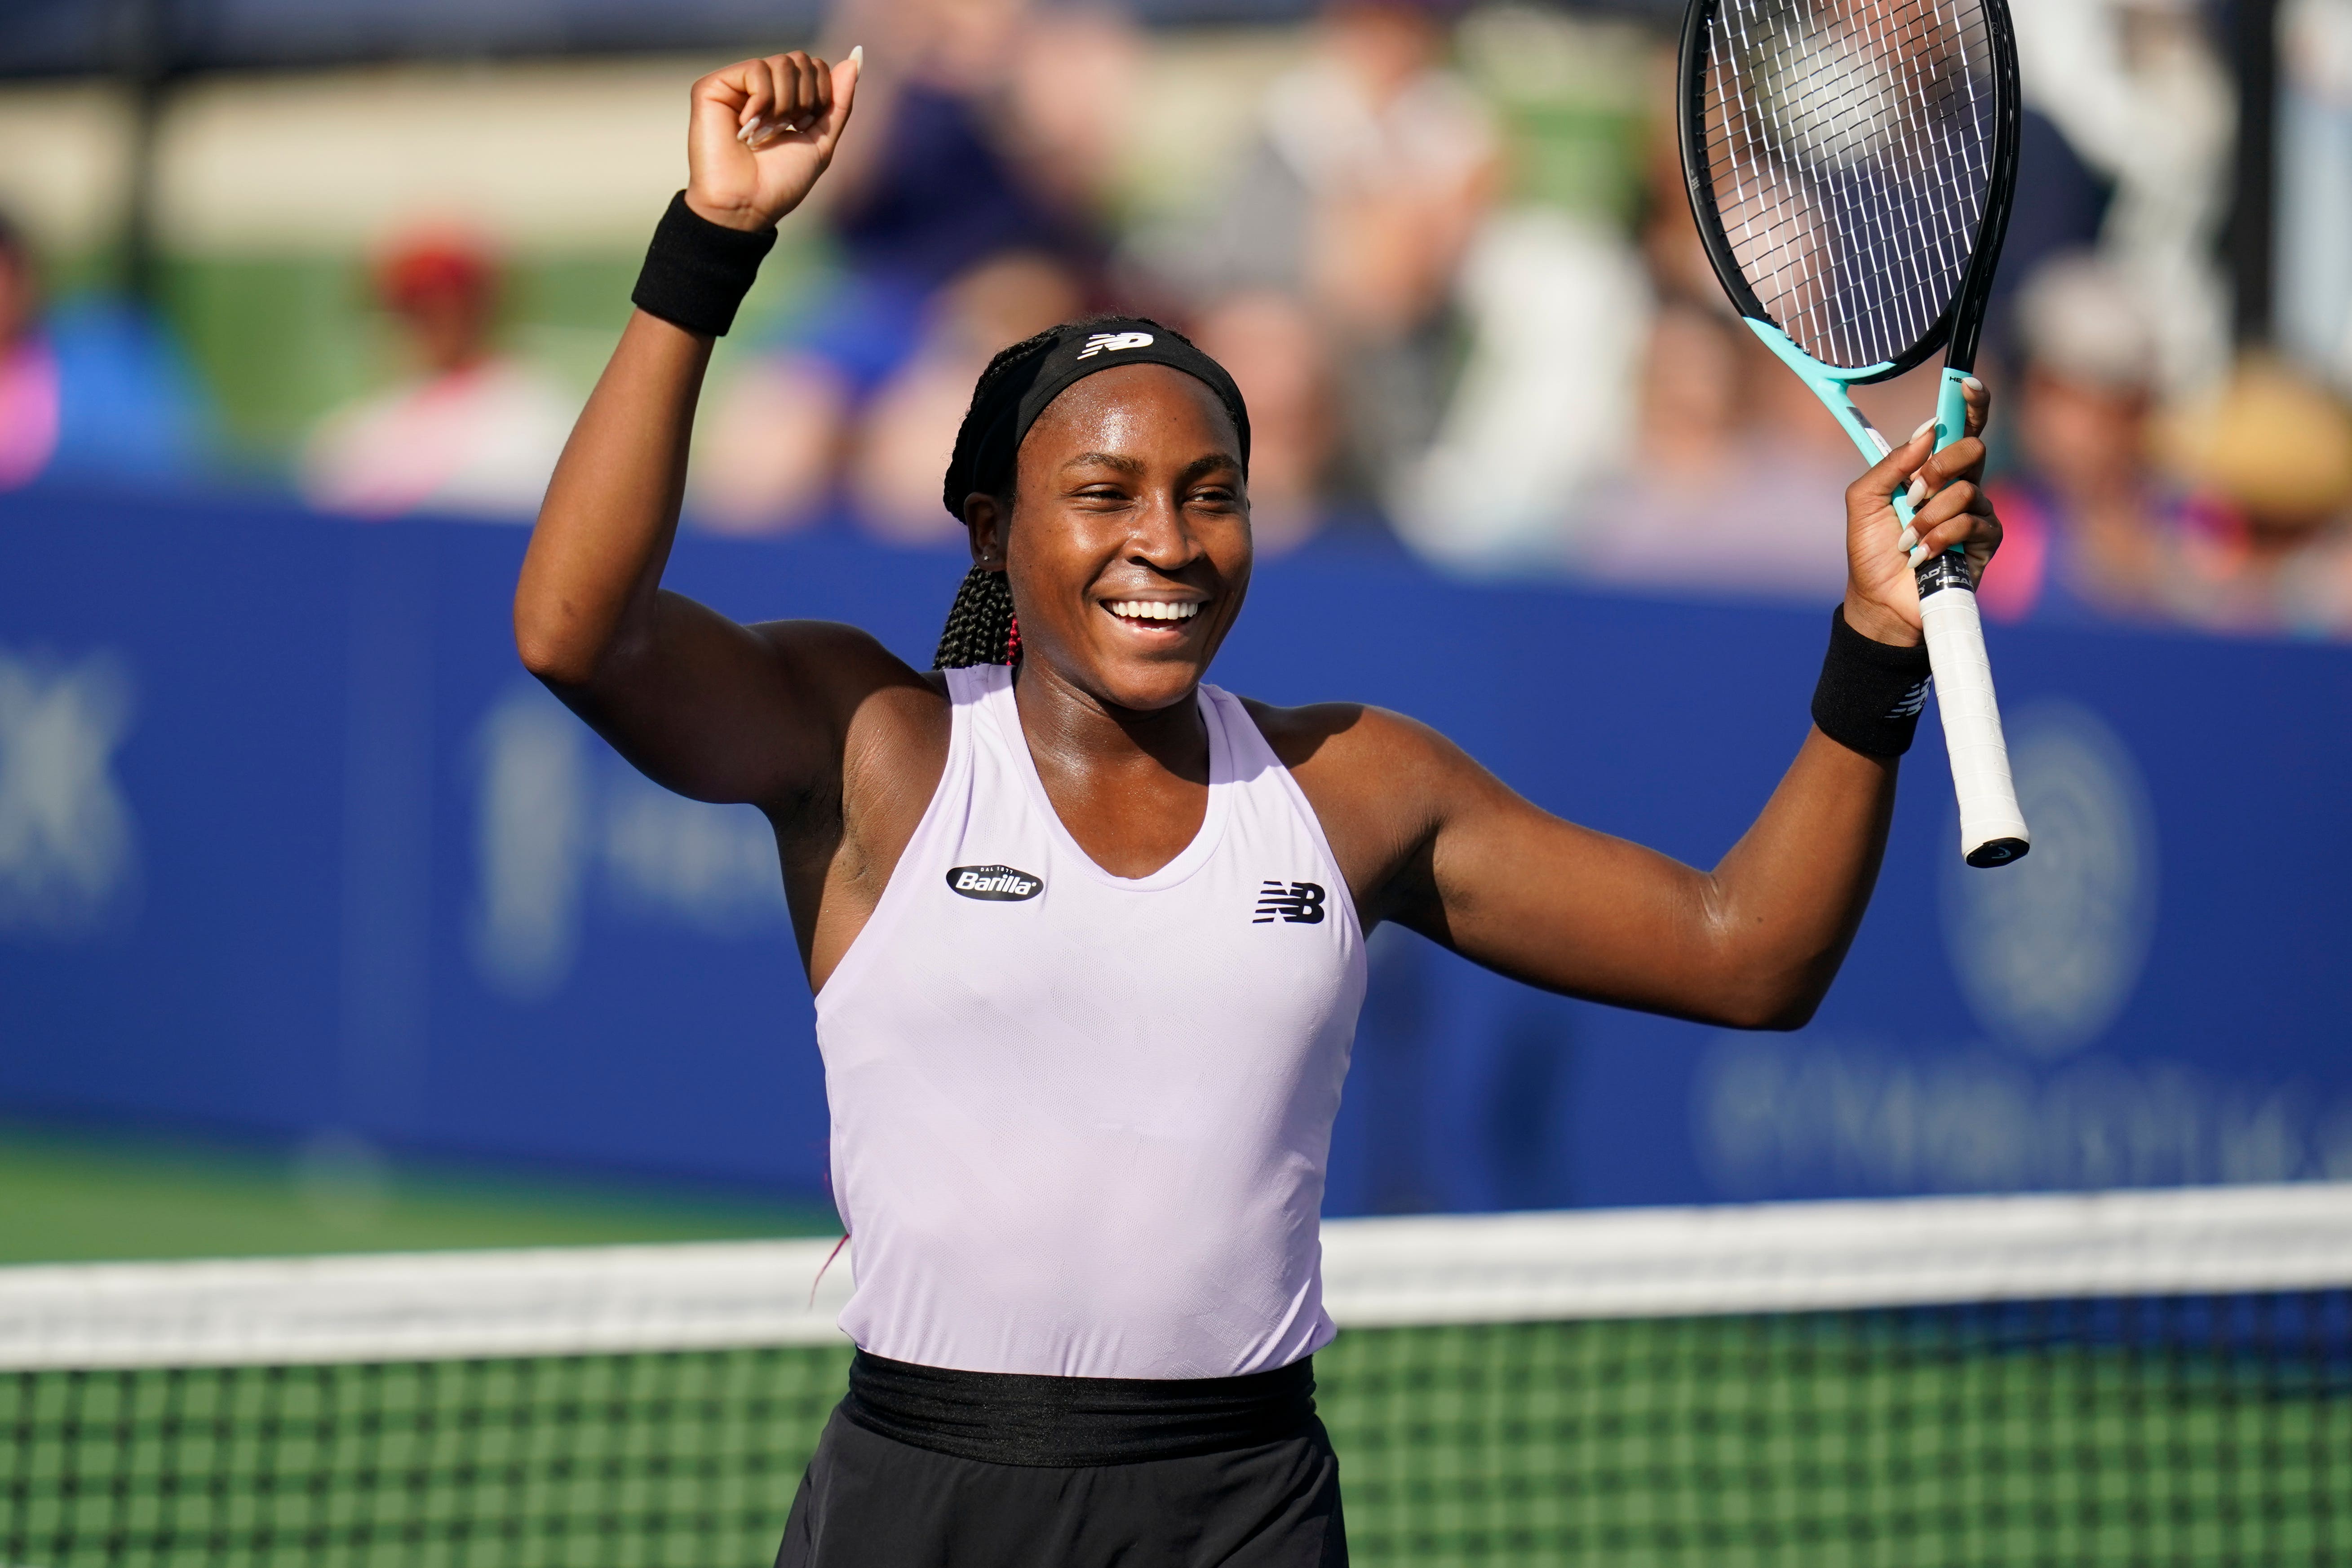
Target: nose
[[1162, 537]]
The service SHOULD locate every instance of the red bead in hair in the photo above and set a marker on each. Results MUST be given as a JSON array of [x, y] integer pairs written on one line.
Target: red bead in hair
[[1013, 643]]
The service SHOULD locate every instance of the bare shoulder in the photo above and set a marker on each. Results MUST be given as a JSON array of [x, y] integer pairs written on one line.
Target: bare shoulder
[[844, 668], [1379, 783], [882, 715], [1348, 739], [837, 649]]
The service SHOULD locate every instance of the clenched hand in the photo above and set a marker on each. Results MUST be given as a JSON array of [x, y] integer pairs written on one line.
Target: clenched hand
[[762, 131]]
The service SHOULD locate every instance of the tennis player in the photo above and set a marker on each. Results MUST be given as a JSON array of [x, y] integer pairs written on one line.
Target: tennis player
[[1087, 933]]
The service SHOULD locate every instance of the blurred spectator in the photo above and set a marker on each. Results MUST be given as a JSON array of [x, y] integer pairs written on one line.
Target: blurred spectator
[[1279, 359], [909, 428], [471, 431], [28, 372], [1551, 295], [2144, 99], [2276, 448], [1733, 477], [1714, 502], [2093, 532], [1555, 308], [1373, 166], [964, 159], [2059, 205], [966, 154], [90, 392], [2314, 197]]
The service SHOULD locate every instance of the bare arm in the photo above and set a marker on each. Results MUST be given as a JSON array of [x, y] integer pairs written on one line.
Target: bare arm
[[1431, 839], [715, 709], [1753, 944]]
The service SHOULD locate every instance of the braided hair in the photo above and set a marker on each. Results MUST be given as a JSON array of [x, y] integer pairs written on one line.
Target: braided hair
[[981, 628]]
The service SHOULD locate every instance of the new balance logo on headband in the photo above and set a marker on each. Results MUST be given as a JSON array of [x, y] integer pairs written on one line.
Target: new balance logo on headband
[[1114, 341]]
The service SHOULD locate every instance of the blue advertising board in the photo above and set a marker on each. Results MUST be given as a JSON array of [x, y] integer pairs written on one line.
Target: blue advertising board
[[289, 843]]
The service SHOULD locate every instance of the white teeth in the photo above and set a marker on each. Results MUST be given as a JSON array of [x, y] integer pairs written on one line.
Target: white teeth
[[1154, 609]]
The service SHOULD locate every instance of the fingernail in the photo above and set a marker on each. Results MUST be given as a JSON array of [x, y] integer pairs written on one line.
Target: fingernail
[[1917, 494], [1972, 383], [1924, 426], [1908, 539], [1919, 553], [857, 57]]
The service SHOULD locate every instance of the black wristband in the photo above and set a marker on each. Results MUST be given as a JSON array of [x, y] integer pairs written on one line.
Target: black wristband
[[696, 272], [1870, 692]]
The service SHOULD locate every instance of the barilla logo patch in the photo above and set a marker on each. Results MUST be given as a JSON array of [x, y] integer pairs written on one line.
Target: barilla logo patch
[[998, 884], [1114, 342]]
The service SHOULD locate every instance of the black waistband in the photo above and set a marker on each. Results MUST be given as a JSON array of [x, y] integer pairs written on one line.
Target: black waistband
[[1016, 1418]]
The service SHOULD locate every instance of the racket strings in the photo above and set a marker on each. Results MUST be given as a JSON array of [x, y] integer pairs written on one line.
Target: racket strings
[[1825, 131], [1849, 147]]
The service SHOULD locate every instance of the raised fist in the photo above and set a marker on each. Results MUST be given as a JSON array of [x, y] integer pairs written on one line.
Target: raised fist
[[762, 131]]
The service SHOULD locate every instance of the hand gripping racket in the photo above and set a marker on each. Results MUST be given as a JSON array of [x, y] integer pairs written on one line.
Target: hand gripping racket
[[1850, 164]]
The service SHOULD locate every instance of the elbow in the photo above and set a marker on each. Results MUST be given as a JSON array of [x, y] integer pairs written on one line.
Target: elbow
[[1794, 1012], [1768, 1016], [551, 650], [1769, 980], [1771, 1002]]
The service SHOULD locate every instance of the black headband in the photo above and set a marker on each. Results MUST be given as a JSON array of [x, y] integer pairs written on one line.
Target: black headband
[[1004, 408]]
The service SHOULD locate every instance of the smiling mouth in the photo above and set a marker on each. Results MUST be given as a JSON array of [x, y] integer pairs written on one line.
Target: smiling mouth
[[1158, 615]]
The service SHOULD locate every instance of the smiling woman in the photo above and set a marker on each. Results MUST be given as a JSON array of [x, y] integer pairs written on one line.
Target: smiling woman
[[1023, 383], [1087, 933]]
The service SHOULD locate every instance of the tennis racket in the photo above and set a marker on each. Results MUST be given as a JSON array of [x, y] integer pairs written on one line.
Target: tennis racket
[[1850, 164]]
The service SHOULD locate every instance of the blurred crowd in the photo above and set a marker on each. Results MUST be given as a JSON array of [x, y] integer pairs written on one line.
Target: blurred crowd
[[1457, 338]]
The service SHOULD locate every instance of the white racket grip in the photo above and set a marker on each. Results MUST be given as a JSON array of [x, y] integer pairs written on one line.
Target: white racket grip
[[1992, 828]]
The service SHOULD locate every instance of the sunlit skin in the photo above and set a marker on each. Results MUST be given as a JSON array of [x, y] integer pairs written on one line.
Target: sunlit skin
[[1130, 486]]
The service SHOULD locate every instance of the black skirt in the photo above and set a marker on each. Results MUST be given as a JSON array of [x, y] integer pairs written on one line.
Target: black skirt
[[921, 1468]]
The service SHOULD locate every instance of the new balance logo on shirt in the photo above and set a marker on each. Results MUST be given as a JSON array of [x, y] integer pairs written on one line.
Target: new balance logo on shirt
[[1296, 903], [1114, 342]]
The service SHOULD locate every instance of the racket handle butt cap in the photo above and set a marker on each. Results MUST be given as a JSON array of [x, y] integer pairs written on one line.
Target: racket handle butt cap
[[1996, 852]]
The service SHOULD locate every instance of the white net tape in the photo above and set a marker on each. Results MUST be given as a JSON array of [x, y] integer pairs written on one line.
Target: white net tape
[[1378, 1273]]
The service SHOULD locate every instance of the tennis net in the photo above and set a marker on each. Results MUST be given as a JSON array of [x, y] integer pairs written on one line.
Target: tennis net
[[2123, 1378]]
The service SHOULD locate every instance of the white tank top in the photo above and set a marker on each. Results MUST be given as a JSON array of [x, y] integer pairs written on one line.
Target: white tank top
[[1080, 1121]]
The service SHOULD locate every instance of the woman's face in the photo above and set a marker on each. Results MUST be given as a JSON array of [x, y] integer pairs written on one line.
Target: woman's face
[[1128, 547]]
